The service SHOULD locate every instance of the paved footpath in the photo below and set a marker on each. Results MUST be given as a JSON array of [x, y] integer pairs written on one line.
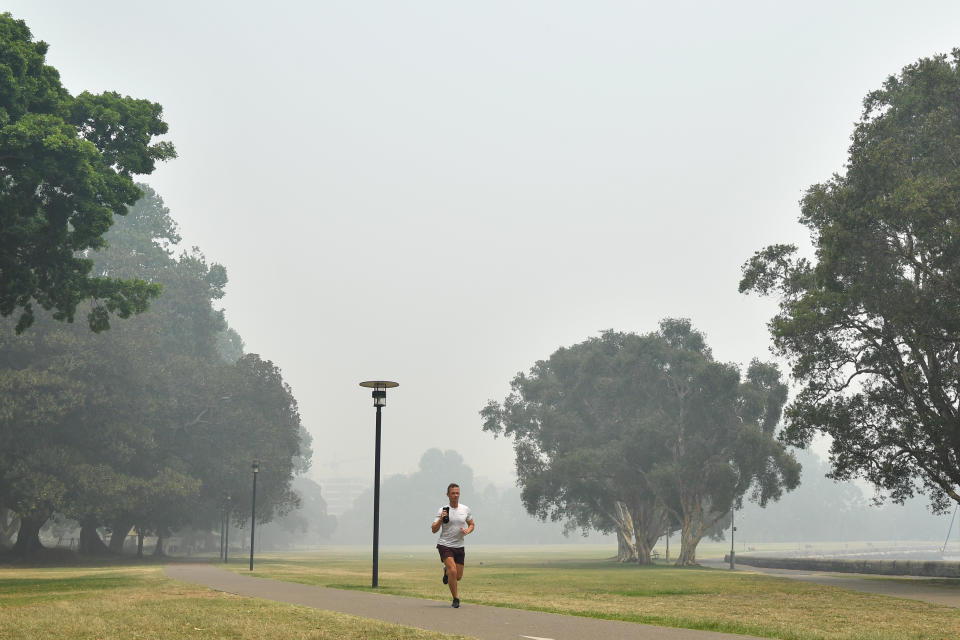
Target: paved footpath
[[477, 621]]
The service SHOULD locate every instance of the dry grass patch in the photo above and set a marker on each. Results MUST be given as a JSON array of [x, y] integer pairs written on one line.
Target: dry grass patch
[[140, 602], [707, 599]]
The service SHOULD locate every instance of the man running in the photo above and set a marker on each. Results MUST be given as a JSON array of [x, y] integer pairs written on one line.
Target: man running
[[454, 521]]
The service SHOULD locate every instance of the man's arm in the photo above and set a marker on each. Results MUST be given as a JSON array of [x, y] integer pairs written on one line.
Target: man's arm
[[470, 527], [436, 524]]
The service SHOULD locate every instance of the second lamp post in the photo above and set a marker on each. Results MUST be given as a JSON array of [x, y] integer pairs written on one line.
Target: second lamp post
[[379, 401], [253, 512]]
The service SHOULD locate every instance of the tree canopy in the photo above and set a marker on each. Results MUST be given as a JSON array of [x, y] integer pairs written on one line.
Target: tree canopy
[[871, 324], [146, 425], [630, 432], [66, 167]]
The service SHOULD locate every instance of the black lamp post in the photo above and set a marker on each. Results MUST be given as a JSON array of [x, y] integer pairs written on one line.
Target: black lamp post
[[733, 530], [223, 520], [253, 514], [226, 532], [379, 401]]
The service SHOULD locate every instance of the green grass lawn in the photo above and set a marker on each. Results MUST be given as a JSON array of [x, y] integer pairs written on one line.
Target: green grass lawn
[[581, 580], [138, 601]]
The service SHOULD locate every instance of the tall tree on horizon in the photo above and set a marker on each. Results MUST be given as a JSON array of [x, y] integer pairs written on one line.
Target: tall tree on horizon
[[871, 324], [625, 430]]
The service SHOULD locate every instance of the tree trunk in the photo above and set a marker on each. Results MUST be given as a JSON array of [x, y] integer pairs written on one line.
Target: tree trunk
[[139, 543], [119, 535], [689, 539], [9, 524], [650, 520], [643, 550], [626, 551], [90, 540], [158, 550], [28, 537], [697, 520], [692, 530]]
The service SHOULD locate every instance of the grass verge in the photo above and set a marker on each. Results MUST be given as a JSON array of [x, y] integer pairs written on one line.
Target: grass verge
[[585, 583], [134, 602]]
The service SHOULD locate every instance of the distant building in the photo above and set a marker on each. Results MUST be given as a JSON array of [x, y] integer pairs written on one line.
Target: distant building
[[340, 493]]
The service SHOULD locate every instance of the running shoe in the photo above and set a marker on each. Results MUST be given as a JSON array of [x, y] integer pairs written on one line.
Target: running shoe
[[456, 603], [445, 578]]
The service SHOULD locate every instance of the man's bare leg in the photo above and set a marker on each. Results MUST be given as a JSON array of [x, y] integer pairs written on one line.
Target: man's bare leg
[[454, 573]]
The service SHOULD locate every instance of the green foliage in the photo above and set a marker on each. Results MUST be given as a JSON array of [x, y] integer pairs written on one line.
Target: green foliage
[[621, 431], [145, 425], [65, 172], [871, 326], [229, 345]]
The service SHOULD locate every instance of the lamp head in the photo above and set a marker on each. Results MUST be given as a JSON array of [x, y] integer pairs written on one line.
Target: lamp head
[[256, 466], [379, 390]]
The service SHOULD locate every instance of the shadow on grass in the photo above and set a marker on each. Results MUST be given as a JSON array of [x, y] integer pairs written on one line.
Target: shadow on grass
[[47, 558], [35, 586]]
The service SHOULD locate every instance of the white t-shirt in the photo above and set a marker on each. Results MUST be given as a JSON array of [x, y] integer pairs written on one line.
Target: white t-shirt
[[450, 532]]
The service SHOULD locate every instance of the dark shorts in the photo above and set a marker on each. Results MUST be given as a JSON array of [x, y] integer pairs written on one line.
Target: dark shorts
[[457, 553]]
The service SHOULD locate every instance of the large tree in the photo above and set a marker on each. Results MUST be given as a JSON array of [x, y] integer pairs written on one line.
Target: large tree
[[145, 425], [628, 432], [871, 324], [583, 439], [66, 167]]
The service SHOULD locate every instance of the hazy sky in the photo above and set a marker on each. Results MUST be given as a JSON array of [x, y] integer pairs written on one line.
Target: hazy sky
[[442, 193]]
